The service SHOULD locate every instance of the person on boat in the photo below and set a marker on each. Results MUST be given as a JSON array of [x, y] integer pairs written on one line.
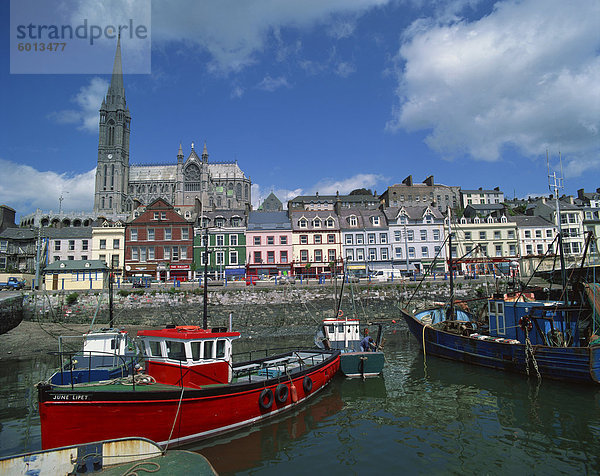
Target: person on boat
[[366, 344]]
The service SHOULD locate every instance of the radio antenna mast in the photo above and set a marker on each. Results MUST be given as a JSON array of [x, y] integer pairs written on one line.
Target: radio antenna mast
[[554, 184]]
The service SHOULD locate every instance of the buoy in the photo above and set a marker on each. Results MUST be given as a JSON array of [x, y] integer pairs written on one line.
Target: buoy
[[293, 393]]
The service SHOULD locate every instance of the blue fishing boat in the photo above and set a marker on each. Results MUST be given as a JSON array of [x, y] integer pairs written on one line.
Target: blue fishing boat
[[107, 354], [525, 332]]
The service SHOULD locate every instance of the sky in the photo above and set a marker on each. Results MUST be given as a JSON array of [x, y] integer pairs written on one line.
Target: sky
[[322, 96]]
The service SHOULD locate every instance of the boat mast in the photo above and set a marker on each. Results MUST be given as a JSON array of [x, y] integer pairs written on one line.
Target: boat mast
[[451, 265], [110, 299], [205, 309]]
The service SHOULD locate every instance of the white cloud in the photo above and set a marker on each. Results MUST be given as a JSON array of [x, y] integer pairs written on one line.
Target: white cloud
[[345, 186], [526, 76], [260, 193], [323, 187], [271, 84], [88, 101], [24, 188], [234, 32]]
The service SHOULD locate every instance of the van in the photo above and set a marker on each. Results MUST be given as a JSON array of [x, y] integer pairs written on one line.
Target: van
[[385, 275]]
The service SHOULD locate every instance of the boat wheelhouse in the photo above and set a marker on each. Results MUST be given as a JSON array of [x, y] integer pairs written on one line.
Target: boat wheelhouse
[[345, 335], [205, 354]]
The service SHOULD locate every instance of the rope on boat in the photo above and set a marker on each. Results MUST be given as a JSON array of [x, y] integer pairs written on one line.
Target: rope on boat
[[529, 354], [175, 420], [133, 471]]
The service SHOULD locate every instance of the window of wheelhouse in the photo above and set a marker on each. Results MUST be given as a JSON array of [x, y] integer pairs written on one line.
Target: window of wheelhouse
[[221, 344], [196, 350], [208, 349], [154, 347], [175, 350]]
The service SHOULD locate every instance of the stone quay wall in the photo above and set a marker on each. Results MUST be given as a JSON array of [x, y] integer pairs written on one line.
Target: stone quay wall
[[275, 307], [11, 313]]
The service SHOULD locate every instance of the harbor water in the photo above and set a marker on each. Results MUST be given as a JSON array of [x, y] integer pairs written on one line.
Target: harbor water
[[424, 416]]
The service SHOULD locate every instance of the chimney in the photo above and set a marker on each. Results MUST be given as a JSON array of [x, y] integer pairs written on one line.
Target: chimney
[[429, 181], [408, 181], [580, 193]]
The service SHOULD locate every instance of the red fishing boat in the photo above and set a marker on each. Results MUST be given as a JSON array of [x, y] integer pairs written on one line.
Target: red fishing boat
[[188, 390]]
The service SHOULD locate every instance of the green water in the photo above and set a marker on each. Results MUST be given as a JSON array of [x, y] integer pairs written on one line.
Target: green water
[[438, 418]]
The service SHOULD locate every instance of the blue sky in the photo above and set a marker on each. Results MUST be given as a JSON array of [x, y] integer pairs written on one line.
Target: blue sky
[[324, 96]]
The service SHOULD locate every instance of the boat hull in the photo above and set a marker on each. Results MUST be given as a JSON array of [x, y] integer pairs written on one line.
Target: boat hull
[[573, 364], [167, 414], [362, 364], [107, 457]]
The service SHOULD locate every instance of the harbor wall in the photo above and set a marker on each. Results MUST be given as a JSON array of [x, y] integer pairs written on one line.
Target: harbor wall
[[275, 306]]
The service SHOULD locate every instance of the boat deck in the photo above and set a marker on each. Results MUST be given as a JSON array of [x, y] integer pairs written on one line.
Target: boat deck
[[246, 372]]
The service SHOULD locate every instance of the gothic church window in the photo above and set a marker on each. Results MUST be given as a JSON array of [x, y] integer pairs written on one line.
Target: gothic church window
[[238, 191]]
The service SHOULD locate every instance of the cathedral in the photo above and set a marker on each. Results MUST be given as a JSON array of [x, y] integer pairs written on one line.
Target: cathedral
[[189, 184]]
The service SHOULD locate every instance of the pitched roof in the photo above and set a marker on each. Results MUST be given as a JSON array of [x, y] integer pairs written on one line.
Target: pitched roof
[[66, 266], [268, 221]]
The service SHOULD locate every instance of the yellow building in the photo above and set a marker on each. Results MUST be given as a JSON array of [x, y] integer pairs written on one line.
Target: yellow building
[[484, 245], [316, 242], [108, 245], [76, 275]]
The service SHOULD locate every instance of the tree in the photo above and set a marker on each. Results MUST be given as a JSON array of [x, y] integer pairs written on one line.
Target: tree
[[361, 191]]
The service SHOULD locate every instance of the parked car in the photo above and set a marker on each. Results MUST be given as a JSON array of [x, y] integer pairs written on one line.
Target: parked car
[[13, 284], [287, 280]]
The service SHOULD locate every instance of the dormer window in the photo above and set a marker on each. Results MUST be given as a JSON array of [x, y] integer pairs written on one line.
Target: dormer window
[[353, 221], [303, 223], [316, 223], [329, 223]]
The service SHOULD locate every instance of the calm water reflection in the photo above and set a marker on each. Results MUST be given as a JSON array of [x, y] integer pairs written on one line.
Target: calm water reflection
[[438, 418]]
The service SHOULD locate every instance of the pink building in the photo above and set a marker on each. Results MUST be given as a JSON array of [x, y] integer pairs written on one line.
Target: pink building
[[269, 244]]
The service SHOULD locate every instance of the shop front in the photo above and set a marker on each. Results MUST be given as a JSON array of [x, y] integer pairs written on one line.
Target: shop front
[[179, 272]]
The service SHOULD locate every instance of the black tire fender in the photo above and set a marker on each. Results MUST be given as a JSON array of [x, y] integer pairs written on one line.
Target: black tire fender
[[265, 400], [281, 393], [307, 384]]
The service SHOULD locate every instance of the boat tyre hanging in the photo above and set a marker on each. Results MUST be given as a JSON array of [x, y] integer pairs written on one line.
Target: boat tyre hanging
[[281, 393], [307, 384], [265, 400], [525, 324]]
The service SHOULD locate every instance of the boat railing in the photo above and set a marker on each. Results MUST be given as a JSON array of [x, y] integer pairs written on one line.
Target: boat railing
[[68, 364], [280, 365]]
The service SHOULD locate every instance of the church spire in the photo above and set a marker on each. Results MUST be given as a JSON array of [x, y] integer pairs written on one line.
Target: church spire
[[116, 82], [204, 154]]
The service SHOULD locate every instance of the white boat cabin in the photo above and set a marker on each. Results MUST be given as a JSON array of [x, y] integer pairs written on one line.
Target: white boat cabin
[[342, 333]]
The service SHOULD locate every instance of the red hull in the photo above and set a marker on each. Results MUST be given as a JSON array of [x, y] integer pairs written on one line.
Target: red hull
[[71, 417]]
